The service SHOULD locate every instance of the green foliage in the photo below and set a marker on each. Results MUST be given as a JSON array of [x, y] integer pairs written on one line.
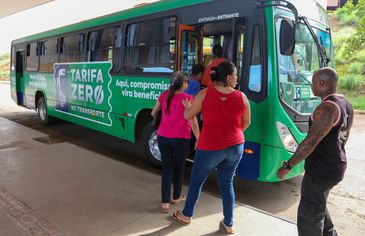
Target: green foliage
[[349, 41], [357, 41], [349, 6], [347, 14], [360, 13], [356, 98], [351, 14], [358, 102], [343, 34], [340, 55], [5, 57], [5, 66], [356, 68], [360, 56], [351, 81]]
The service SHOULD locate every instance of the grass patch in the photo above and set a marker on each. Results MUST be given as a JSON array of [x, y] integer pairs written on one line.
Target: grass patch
[[360, 56], [5, 66], [357, 98], [351, 82], [356, 68], [358, 103]]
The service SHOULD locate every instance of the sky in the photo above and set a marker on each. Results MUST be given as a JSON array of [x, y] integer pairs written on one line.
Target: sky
[[56, 14]]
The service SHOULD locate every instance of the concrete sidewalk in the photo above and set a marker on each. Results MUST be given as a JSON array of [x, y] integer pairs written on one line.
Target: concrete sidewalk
[[62, 189]]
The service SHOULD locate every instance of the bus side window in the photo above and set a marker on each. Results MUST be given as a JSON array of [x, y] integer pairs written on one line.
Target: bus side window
[[32, 56], [105, 45], [70, 50], [48, 55], [117, 49], [255, 78], [150, 46]]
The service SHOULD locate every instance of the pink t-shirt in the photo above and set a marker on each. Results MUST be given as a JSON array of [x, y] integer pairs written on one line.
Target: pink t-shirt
[[173, 124]]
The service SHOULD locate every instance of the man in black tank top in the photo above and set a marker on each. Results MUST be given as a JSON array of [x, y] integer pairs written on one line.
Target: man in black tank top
[[324, 153]]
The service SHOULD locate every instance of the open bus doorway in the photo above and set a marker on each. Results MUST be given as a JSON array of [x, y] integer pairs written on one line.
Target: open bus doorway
[[196, 44], [19, 76]]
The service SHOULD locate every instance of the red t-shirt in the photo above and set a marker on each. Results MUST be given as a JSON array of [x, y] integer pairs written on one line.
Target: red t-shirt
[[222, 120], [206, 80], [173, 124]]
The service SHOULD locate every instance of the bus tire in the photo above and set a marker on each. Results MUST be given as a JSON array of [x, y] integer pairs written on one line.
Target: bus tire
[[150, 145], [43, 112]]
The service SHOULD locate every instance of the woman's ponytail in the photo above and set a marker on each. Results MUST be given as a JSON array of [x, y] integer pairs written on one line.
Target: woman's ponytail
[[178, 78]]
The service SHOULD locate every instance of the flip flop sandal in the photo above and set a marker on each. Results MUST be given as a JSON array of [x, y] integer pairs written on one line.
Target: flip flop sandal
[[228, 229], [176, 215]]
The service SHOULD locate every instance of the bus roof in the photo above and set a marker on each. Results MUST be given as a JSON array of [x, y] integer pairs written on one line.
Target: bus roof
[[156, 7], [151, 8]]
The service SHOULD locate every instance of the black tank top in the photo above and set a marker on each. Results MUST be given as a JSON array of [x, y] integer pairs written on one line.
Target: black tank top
[[328, 160]]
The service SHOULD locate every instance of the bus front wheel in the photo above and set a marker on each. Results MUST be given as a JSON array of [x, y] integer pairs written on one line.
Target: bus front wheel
[[150, 145], [42, 112]]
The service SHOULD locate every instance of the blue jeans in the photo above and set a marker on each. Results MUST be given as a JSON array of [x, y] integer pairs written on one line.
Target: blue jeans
[[226, 162]]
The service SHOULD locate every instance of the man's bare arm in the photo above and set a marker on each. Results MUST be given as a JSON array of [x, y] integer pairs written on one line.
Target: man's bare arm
[[323, 118]]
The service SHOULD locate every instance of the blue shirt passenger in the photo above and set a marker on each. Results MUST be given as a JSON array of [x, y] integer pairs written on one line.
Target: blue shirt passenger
[[194, 87], [194, 80]]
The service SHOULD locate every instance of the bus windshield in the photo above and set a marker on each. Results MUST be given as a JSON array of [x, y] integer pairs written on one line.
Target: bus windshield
[[295, 71]]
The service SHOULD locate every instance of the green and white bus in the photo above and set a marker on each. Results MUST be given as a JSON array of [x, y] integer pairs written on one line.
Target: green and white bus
[[106, 73]]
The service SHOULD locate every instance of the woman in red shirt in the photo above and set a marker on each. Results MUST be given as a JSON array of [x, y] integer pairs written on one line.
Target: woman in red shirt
[[174, 137], [226, 114]]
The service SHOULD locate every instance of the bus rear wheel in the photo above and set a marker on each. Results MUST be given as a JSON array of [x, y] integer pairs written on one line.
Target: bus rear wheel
[[43, 113], [150, 144]]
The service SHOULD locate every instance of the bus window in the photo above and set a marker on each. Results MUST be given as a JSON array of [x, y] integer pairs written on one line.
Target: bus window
[[208, 43], [48, 55], [218, 33], [100, 42], [71, 49], [255, 78], [240, 50], [117, 50], [190, 50], [32, 56], [148, 51], [295, 72], [105, 45], [324, 39]]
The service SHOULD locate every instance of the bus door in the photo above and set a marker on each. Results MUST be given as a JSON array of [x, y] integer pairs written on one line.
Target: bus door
[[190, 47], [238, 47], [19, 77]]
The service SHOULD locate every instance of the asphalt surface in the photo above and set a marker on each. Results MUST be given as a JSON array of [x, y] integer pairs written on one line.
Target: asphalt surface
[[346, 202]]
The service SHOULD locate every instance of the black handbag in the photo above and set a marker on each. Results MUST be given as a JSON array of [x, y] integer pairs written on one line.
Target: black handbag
[[157, 120]]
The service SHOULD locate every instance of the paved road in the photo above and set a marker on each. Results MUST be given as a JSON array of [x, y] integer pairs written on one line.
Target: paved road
[[346, 203]]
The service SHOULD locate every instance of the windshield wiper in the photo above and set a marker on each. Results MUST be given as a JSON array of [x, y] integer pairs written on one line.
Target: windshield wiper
[[322, 51], [328, 31]]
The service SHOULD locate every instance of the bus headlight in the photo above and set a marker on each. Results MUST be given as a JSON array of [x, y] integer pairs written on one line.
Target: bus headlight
[[286, 137]]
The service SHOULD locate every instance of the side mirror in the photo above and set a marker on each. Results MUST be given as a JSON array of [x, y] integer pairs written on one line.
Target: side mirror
[[287, 37]]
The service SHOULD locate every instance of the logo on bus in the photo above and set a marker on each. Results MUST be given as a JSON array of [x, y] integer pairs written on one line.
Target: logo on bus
[[82, 90]]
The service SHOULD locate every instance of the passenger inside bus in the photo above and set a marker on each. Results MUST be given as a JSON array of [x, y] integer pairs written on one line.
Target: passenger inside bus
[[201, 44], [218, 44], [214, 61]]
